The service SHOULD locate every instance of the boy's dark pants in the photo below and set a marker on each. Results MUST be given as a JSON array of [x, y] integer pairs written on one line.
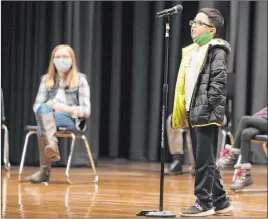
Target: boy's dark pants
[[209, 188]]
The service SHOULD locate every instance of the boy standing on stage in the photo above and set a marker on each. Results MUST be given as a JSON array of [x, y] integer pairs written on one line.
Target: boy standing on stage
[[199, 104]]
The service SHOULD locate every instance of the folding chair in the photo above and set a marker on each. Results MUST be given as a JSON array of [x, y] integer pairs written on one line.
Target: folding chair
[[6, 139], [66, 133], [259, 139]]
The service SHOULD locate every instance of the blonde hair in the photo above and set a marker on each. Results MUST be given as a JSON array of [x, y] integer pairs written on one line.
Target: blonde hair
[[71, 80]]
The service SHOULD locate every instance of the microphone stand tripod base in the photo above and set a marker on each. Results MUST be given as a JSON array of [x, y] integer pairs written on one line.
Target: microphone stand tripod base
[[156, 213]]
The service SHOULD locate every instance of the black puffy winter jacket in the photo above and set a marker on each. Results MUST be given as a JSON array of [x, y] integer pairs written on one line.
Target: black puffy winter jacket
[[209, 96]]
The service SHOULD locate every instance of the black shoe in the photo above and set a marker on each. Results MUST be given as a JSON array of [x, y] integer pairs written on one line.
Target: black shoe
[[176, 166], [223, 207], [197, 211]]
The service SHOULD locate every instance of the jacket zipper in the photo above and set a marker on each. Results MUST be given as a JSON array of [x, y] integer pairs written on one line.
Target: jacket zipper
[[196, 83]]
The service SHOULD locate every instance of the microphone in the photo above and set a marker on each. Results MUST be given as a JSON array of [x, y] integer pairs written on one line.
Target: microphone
[[174, 10]]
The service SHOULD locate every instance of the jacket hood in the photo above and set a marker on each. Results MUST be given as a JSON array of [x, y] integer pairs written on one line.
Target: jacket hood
[[217, 42]]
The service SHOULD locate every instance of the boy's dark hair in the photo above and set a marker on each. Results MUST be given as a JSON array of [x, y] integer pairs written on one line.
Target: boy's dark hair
[[214, 16]]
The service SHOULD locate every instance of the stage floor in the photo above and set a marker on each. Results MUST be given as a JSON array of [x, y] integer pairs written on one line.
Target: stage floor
[[124, 189]]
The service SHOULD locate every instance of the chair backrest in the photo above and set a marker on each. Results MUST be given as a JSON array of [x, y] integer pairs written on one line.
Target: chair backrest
[[3, 118]]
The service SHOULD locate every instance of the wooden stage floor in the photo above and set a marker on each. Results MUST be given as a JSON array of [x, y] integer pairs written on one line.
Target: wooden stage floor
[[123, 190]]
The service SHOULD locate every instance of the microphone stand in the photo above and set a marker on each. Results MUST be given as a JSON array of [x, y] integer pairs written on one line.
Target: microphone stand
[[160, 212]]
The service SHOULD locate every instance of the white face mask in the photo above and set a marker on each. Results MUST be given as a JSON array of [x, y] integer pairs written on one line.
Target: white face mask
[[62, 65]]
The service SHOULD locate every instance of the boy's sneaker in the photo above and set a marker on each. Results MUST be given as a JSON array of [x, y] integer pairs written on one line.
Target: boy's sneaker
[[228, 157], [243, 177], [197, 211], [223, 207]]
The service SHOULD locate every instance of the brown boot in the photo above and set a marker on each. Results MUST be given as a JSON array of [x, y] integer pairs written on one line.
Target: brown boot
[[43, 175], [48, 126]]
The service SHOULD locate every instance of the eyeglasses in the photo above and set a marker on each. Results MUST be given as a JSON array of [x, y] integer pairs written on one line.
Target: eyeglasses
[[198, 23]]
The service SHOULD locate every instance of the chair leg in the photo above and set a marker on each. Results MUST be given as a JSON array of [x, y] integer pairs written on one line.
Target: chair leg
[[264, 146], [6, 148], [223, 139], [235, 172], [90, 158], [67, 173], [231, 137], [24, 152]]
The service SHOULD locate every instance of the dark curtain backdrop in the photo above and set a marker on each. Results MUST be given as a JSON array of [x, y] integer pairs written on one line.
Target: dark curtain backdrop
[[120, 47]]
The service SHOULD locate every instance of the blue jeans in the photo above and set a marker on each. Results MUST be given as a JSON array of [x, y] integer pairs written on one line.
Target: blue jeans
[[62, 119]]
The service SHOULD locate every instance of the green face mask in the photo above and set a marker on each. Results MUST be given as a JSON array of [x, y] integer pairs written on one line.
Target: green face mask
[[202, 39]]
